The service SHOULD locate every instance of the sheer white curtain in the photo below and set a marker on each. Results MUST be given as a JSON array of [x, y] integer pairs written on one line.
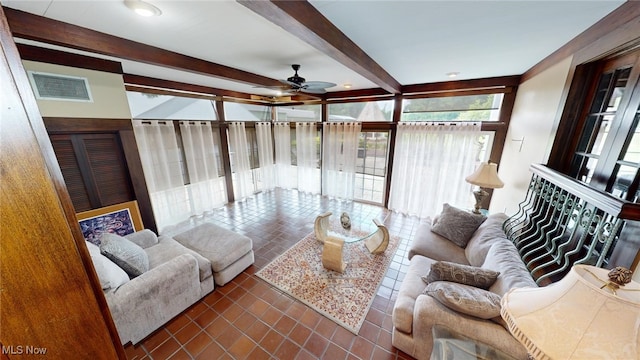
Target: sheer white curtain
[[265, 155], [429, 166], [284, 170], [339, 153], [207, 189], [306, 151], [242, 183], [161, 158]]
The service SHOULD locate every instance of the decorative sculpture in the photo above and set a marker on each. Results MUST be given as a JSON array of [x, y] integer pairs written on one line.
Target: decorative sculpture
[[345, 221]]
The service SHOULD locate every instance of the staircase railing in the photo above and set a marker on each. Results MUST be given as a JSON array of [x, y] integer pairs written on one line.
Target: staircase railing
[[563, 222]]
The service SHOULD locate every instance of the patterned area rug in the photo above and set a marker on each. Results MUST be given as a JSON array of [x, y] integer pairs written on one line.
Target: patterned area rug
[[344, 298]]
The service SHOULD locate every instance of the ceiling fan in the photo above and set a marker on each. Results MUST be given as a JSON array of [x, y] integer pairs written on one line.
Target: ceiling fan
[[296, 83]]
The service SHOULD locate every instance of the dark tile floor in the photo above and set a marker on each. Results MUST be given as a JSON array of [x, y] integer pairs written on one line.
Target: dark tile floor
[[249, 319]]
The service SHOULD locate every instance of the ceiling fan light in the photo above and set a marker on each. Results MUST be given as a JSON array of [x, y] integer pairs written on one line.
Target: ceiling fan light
[[142, 8], [347, 86]]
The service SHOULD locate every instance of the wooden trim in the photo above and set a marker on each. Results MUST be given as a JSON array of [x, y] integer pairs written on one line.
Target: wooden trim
[[50, 56], [620, 27], [176, 88], [354, 94], [39, 28], [224, 150], [56, 125], [140, 190], [484, 83], [397, 115], [304, 21]]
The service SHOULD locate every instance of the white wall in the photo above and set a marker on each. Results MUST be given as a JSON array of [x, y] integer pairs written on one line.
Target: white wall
[[107, 90], [530, 135]]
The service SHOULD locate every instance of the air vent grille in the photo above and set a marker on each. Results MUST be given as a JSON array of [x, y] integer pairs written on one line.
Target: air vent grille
[[59, 87]]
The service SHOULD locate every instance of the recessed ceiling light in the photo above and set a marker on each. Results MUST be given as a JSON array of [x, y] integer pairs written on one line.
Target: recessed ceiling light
[[347, 86], [142, 8], [453, 74]]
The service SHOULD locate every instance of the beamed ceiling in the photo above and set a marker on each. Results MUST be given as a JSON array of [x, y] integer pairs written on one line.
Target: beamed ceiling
[[378, 47]]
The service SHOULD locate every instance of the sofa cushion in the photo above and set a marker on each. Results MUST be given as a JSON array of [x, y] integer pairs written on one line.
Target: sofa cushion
[[484, 237], [129, 256], [457, 225], [503, 257], [412, 287], [143, 238], [222, 247], [465, 299], [111, 276], [462, 274], [167, 249], [436, 247]]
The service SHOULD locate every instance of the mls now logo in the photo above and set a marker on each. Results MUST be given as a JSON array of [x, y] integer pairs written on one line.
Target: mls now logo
[[23, 350]]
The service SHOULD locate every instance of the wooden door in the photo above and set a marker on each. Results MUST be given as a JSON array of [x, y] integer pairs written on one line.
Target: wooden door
[[51, 301]]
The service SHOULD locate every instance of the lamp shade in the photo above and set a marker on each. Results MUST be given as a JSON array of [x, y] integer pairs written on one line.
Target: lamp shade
[[576, 318], [486, 175]]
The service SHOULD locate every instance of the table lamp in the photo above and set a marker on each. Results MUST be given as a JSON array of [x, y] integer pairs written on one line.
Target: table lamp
[[589, 314], [485, 176]]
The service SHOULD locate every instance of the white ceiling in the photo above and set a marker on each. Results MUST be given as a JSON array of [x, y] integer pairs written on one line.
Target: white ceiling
[[414, 41]]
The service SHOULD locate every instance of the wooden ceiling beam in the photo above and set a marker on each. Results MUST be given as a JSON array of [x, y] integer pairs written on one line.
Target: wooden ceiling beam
[[38, 28], [303, 20]]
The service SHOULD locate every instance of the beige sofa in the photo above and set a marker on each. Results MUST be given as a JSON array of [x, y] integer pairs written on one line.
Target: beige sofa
[[176, 278], [415, 313]]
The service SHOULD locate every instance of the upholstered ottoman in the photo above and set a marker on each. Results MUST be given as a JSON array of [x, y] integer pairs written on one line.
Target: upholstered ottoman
[[229, 252]]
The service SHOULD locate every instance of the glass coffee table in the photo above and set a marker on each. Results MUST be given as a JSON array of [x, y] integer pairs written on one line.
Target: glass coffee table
[[449, 345], [376, 239]]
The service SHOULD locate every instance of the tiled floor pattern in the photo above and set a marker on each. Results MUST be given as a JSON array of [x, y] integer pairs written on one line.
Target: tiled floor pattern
[[249, 319]]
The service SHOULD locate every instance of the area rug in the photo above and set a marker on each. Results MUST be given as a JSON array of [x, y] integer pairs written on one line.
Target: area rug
[[344, 298]]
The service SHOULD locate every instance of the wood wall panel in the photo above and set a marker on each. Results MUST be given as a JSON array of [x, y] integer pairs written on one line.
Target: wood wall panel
[[50, 295], [70, 168], [109, 169]]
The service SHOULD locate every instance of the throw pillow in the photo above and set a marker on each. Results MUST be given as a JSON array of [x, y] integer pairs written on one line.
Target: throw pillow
[[465, 299], [129, 256], [109, 274], [457, 225], [462, 274]]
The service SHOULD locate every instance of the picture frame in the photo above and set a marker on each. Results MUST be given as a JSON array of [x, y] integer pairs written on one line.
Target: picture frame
[[121, 219]]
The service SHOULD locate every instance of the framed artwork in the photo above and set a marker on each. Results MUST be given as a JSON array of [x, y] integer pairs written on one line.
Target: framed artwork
[[121, 219]]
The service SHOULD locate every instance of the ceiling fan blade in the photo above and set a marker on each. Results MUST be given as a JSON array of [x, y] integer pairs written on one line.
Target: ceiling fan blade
[[313, 90], [318, 85], [290, 84]]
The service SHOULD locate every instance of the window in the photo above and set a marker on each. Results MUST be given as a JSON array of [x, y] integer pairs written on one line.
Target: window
[[246, 112], [485, 107], [167, 107], [597, 128], [607, 152], [299, 113], [371, 111], [371, 166]]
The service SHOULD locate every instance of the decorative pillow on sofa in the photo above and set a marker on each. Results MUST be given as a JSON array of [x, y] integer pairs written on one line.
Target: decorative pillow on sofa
[[457, 225], [461, 274], [109, 274], [465, 299], [129, 256]]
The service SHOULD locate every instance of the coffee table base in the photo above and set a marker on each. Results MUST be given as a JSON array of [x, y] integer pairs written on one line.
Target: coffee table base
[[332, 254]]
